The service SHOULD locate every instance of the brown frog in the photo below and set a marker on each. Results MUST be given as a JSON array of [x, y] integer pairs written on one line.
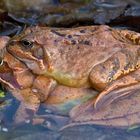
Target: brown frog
[[31, 89], [100, 57]]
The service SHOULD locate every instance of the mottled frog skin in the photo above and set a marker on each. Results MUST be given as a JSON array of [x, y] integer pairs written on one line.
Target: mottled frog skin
[[100, 57]]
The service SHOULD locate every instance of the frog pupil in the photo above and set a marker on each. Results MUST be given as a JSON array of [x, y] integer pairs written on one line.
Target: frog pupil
[[27, 44]]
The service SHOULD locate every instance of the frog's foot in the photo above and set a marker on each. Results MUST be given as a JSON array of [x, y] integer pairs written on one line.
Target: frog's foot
[[43, 86], [120, 88], [24, 114], [29, 104], [122, 113]]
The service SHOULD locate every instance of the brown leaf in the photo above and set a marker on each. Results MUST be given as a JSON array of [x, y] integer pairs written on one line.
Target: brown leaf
[[120, 113]]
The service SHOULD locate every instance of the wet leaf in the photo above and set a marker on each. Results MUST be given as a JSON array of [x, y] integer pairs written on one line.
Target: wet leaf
[[121, 113]]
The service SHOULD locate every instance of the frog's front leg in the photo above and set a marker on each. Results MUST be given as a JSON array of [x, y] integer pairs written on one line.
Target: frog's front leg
[[29, 104], [31, 97], [43, 86], [117, 77]]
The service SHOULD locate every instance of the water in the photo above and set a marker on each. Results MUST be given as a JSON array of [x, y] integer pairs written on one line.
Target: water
[[51, 130]]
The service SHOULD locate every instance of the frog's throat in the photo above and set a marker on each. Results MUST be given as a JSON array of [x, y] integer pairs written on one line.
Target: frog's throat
[[31, 59], [67, 79], [27, 59]]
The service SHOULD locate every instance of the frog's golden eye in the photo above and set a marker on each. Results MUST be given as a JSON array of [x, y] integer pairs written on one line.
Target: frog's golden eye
[[26, 43]]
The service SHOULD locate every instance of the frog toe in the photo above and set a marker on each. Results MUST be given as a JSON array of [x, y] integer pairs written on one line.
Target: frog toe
[[108, 96]]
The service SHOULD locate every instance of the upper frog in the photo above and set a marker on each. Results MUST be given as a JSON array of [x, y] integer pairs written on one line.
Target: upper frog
[[91, 56]]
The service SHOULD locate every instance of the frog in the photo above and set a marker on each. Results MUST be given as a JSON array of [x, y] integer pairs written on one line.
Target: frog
[[32, 90], [98, 57]]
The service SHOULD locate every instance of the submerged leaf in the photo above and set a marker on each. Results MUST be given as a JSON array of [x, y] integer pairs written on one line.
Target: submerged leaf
[[124, 112]]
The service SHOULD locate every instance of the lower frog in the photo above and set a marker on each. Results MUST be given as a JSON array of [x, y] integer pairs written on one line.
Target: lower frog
[[94, 56], [32, 90], [97, 57]]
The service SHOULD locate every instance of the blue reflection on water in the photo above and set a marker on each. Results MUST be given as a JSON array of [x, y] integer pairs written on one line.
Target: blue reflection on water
[[10, 110]]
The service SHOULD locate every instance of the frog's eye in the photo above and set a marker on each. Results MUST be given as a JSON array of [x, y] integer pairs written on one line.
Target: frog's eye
[[137, 66], [26, 43], [109, 79]]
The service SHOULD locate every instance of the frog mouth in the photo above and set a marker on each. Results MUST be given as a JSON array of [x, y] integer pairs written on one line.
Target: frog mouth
[[33, 61], [26, 57]]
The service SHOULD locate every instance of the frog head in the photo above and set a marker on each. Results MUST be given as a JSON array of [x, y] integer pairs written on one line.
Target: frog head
[[29, 48]]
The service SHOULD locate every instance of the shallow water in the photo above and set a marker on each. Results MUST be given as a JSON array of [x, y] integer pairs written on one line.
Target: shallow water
[[51, 130], [103, 12], [88, 132]]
